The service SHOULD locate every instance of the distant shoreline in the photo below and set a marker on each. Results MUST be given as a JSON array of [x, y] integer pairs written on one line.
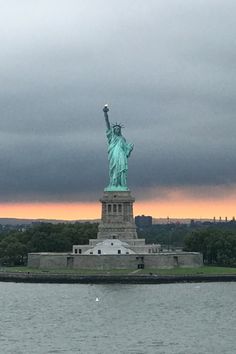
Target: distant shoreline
[[25, 221], [27, 277]]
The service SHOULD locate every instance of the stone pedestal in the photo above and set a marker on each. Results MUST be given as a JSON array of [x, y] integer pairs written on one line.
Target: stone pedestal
[[117, 220]]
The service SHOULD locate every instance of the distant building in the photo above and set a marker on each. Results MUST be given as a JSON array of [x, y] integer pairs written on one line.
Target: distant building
[[143, 221], [192, 222]]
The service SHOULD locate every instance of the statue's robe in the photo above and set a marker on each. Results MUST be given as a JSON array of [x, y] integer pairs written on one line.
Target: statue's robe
[[118, 153]]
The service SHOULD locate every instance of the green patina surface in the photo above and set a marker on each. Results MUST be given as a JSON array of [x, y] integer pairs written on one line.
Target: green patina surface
[[118, 153]]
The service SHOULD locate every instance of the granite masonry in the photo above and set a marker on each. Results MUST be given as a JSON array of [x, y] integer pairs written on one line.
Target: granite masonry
[[117, 245]]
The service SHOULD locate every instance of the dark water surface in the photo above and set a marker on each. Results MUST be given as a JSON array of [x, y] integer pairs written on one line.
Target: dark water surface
[[139, 319]]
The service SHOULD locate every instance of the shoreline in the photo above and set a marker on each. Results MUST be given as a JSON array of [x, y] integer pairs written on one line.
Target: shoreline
[[28, 277]]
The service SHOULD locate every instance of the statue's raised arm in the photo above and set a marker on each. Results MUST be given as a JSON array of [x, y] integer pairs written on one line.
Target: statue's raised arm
[[106, 110]]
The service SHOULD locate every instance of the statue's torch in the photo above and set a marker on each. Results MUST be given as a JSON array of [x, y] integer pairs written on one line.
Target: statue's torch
[[105, 108]]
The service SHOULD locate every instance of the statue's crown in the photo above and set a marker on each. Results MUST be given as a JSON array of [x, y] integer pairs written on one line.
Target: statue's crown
[[117, 125]]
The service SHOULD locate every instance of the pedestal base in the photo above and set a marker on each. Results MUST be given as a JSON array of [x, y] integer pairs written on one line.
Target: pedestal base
[[117, 220]]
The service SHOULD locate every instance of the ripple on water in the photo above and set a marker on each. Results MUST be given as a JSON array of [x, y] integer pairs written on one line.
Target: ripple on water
[[140, 319]]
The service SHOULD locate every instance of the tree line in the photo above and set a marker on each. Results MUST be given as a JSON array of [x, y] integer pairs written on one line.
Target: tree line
[[46, 237], [216, 243], [217, 246]]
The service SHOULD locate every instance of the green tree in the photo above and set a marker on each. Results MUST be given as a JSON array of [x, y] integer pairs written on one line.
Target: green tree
[[217, 246]]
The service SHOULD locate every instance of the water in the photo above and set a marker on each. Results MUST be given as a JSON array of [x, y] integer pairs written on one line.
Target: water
[[138, 319]]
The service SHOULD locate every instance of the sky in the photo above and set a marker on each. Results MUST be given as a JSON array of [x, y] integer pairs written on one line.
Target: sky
[[167, 70]]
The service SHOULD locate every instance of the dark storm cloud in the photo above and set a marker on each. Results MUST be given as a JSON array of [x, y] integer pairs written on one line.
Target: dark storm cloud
[[167, 68]]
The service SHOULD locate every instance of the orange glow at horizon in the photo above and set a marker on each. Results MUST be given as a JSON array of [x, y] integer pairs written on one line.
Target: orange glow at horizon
[[64, 211], [184, 207], [192, 209]]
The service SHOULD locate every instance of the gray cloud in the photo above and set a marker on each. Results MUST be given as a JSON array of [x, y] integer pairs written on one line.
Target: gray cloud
[[166, 68]]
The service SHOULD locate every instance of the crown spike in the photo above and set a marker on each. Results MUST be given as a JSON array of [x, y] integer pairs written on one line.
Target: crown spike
[[117, 125]]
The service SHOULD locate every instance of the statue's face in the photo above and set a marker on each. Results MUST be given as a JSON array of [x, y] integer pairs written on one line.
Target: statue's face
[[117, 130]]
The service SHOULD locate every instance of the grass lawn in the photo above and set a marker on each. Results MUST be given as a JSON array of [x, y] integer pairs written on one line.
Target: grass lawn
[[206, 270]]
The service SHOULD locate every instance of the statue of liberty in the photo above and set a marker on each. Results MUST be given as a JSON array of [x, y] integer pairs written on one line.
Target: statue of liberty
[[118, 153]]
